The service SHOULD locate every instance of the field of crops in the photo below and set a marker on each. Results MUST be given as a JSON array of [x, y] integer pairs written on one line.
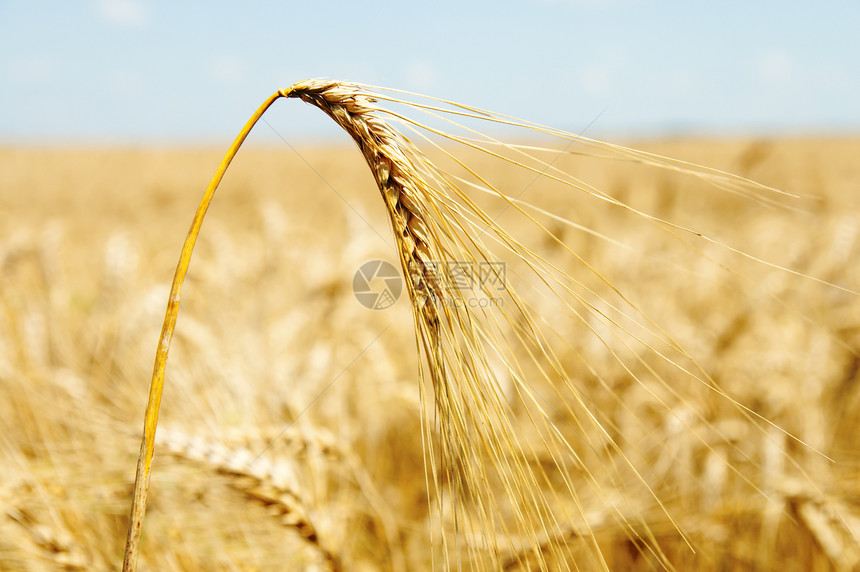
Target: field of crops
[[290, 436]]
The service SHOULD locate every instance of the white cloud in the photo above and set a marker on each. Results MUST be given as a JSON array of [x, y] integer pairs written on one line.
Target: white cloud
[[421, 76], [125, 84], [33, 72], [601, 76], [775, 66], [597, 81], [595, 4], [681, 84], [227, 69], [124, 12]]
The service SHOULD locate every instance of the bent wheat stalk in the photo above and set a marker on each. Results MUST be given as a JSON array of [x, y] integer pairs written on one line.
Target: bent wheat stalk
[[156, 387], [525, 462]]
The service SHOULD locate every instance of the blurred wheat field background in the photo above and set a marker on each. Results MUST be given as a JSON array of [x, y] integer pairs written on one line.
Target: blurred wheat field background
[[290, 436]]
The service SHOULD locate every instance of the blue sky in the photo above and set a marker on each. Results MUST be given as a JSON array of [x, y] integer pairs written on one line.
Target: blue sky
[[147, 71]]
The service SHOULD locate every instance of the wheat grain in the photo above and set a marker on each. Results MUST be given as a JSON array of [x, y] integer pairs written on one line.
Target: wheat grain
[[396, 176]]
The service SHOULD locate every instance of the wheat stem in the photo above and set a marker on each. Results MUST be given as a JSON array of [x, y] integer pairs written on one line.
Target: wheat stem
[[156, 387]]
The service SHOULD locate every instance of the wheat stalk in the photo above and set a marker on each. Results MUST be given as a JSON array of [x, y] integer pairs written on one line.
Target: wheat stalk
[[144, 464], [490, 369]]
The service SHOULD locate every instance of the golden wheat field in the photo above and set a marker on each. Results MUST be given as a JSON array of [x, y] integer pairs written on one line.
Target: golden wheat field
[[291, 434]]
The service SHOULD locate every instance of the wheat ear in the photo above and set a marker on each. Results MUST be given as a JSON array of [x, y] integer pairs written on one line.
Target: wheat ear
[[274, 482], [396, 176]]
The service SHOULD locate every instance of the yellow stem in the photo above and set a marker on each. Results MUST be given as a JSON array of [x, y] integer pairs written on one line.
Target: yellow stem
[[147, 445]]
